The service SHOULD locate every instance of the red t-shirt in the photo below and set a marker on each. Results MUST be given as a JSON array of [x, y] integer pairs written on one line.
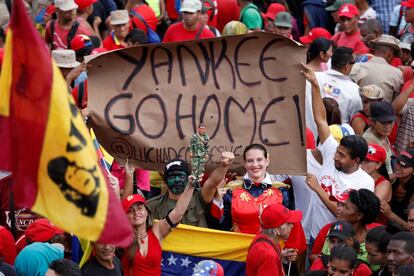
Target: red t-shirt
[[171, 11], [361, 270], [148, 14], [176, 32], [352, 41], [227, 10], [263, 259], [60, 37], [7, 246], [109, 43], [145, 265]]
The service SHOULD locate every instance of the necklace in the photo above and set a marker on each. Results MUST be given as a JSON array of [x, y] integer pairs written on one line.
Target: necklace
[[142, 239]]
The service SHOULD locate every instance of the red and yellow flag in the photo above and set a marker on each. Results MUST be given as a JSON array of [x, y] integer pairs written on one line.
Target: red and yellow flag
[[46, 145]]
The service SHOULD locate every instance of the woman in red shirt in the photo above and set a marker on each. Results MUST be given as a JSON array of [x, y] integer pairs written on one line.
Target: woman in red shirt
[[143, 256]]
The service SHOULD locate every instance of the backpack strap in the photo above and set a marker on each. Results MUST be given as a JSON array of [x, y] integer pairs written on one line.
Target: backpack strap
[[137, 15], [72, 32], [198, 34], [52, 31]]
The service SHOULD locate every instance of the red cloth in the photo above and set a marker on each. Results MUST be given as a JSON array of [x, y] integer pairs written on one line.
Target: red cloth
[[60, 39], [109, 43], [227, 10], [320, 239], [407, 73], [396, 62], [176, 32], [361, 270], [405, 87], [148, 265], [262, 258], [310, 139], [245, 208], [171, 11], [363, 117], [80, 94], [297, 239], [148, 14], [7, 246], [141, 176], [352, 41]]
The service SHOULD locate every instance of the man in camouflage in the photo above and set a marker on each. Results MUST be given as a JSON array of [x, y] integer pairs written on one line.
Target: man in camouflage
[[199, 151]]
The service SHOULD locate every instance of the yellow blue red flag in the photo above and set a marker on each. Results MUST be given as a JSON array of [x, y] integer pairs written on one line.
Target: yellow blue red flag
[[46, 145], [187, 245]]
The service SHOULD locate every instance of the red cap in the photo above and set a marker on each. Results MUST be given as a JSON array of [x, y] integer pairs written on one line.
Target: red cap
[[41, 230], [314, 34], [348, 10], [80, 41], [376, 153], [409, 4], [131, 200], [83, 4], [273, 10], [275, 215]]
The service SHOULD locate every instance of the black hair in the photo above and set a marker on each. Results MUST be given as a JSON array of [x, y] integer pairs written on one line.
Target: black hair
[[255, 146], [405, 270], [356, 145], [412, 50], [408, 238], [136, 36], [341, 57], [320, 44], [344, 253], [333, 113], [2, 34], [65, 267], [368, 204], [380, 237]]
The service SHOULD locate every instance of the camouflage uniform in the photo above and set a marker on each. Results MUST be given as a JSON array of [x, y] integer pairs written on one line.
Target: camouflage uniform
[[199, 150]]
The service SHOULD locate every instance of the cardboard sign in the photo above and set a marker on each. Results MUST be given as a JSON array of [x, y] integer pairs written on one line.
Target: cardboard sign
[[148, 101]]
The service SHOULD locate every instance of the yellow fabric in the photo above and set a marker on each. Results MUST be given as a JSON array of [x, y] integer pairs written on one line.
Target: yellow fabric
[[208, 243], [51, 201], [87, 251], [108, 158], [6, 77]]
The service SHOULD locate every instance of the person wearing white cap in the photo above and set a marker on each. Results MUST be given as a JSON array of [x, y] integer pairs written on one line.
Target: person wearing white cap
[[60, 32], [189, 28], [69, 67], [120, 21]]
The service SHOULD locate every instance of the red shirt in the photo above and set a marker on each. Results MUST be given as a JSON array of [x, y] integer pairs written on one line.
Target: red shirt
[[263, 258], [176, 32], [170, 8], [7, 247], [227, 10], [145, 265], [361, 270], [148, 14], [60, 37], [352, 41], [109, 43]]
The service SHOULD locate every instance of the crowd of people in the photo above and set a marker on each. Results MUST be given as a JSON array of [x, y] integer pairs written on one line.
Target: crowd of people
[[351, 214]]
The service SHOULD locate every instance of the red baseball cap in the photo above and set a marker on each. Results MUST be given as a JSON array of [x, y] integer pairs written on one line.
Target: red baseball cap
[[275, 215], [376, 153], [80, 41], [273, 10], [314, 34], [348, 10], [409, 4], [131, 200], [41, 230], [83, 4]]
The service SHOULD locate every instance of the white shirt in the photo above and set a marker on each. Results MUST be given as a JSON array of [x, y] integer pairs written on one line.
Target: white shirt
[[336, 182], [368, 14], [315, 213], [336, 85]]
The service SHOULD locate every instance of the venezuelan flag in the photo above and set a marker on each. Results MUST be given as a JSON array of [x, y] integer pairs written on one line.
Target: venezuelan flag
[[46, 145], [187, 245]]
